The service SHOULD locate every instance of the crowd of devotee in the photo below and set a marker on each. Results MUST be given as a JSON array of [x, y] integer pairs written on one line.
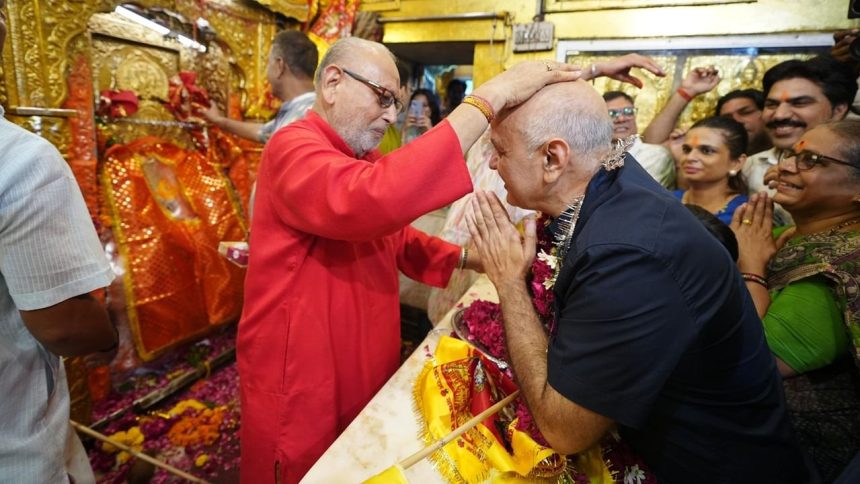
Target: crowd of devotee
[[702, 296]]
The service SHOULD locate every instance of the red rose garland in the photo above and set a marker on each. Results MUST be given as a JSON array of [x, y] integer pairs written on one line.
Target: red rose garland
[[483, 320]]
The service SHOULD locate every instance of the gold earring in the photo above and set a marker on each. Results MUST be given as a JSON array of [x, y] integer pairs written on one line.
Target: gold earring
[[733, 172]]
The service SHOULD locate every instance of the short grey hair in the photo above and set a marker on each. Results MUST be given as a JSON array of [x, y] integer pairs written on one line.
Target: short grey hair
[[848, 132], [346, 48], [587, 132]]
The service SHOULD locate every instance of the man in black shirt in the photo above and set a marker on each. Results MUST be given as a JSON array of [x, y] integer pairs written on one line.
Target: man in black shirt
[[655, 331]]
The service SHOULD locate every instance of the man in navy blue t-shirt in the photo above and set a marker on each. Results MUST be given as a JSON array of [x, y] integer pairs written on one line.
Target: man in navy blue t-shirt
[[655, 330]]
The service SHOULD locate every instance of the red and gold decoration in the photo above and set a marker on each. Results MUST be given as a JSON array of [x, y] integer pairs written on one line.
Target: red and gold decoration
[[117, 104], [168, 209]]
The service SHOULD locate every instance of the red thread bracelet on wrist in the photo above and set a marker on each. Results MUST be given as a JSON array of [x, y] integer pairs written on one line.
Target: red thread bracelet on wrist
[[684, 94], [749, 277]]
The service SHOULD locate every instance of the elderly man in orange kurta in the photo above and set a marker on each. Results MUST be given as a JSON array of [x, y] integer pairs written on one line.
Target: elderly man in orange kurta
[[320, 330]]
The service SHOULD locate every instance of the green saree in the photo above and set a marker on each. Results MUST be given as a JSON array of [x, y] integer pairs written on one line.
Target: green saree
[[824, 402]]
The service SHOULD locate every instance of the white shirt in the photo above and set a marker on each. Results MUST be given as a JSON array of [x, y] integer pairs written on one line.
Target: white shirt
[[49, 252], [656, 160], [754, 170]]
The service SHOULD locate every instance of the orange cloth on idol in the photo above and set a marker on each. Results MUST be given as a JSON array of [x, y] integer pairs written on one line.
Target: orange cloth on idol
[[169, 208], [320, 329]]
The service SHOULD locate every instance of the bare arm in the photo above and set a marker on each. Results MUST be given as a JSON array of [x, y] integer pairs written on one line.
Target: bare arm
[[698, 81], [618, 68], [568, 427], [245, 129], [74, 327]]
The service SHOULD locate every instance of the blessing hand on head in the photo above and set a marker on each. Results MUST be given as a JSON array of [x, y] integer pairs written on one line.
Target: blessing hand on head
[[523, 80]]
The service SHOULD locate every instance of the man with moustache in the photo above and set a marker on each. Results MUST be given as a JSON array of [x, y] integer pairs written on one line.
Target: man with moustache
[[638, 279], [799, 95]]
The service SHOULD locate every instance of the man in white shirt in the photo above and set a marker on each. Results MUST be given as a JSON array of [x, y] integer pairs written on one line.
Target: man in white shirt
[[50, 259], [656, 159]]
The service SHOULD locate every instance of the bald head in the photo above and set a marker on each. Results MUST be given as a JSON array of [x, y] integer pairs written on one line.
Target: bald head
[[355, 50], [572, 111], [550, 146]]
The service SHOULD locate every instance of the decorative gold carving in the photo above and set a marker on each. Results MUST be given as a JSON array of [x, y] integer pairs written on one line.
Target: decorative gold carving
[[580, 5], [246, 36], [146, 71], [142, 69], [220, 77], [115, 26], [28, 63], [138, 72], [36, 60], [297, 9]]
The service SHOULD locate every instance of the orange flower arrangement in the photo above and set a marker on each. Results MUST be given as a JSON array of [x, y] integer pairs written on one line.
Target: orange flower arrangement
[[201, 427]]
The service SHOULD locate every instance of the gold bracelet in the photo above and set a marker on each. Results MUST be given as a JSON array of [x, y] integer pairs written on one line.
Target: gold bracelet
[[482, 105]]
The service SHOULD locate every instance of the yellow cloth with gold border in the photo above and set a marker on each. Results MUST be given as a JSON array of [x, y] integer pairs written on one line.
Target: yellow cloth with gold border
[[445, 395]]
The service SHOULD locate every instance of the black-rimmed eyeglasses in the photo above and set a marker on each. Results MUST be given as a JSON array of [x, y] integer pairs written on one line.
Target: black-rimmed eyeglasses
[[386, 97], [628, 111], [805, 160]]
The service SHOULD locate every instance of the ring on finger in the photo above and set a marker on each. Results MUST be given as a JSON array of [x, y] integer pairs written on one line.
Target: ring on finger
[[548, 65], [746, 221]]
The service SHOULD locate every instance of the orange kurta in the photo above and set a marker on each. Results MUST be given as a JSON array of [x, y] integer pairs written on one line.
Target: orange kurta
[[320, 329]]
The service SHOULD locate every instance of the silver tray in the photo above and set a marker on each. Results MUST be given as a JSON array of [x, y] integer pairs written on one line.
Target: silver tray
[[462, 332]]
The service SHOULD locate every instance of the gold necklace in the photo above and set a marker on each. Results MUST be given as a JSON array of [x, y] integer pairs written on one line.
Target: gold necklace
[[847, 223]]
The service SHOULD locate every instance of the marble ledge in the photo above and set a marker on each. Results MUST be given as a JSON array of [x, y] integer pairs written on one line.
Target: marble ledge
[[387, 429]]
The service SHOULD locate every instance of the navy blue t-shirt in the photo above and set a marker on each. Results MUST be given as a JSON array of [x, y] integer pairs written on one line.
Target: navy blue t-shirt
[[657, 332]]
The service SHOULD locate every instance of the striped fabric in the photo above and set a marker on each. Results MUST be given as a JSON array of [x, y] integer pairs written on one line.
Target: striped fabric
[[290, 111], [49, 252]]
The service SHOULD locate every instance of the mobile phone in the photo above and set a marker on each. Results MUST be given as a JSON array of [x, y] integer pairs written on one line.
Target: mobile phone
[[416, 108]]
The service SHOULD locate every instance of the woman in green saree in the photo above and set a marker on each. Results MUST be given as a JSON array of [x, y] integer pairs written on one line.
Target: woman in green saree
[[805, 282]]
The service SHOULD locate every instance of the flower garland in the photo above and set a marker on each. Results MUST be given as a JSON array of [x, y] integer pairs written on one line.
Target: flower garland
[[483, 320], [196, 431]]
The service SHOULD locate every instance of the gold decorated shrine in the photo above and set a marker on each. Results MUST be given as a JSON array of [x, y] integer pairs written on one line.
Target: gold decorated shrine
[[162, 189]]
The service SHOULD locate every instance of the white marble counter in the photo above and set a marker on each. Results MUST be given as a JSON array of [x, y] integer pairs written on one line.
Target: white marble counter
[[387, 430]]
